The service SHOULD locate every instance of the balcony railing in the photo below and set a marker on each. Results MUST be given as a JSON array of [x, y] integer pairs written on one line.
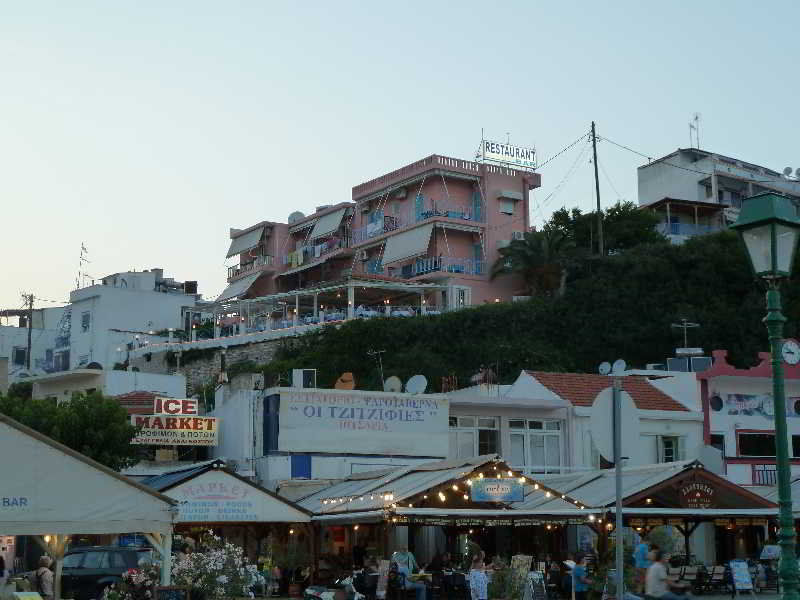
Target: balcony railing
[[311, 252], [261, 261], [686, 229], [382, 223], [445, 264]]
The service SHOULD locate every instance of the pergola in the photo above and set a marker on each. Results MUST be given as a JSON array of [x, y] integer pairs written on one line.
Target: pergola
[[51, 492]]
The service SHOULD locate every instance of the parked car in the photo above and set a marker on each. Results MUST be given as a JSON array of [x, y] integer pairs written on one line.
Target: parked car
[[87, 571]]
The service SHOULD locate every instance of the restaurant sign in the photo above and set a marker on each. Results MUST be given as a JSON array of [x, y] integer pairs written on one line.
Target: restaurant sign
[[175, 431], [696, 495], [497, 490], [508, 154]]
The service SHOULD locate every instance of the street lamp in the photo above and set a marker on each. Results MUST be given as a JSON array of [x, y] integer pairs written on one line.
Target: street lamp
[[769, 225]]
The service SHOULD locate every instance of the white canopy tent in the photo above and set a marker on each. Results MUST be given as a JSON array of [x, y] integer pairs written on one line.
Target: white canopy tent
[[50, 491]]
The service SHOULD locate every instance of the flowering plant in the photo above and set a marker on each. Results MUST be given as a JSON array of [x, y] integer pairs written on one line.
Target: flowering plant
[[136, 584], [221, 570]]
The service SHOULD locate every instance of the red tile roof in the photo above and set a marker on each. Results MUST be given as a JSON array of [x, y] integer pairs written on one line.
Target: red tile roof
[[137, 403], [581, 389]]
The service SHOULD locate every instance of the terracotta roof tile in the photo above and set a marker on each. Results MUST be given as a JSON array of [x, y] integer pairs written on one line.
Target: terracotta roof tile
[[581, 389], [137, 403]]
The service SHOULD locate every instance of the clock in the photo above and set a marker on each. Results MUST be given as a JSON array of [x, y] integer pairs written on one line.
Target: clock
[[790, 351]]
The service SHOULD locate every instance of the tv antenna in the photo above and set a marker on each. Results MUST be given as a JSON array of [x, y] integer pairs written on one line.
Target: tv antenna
[[686, 326], [80, 280], [376, 354], [694, 131]]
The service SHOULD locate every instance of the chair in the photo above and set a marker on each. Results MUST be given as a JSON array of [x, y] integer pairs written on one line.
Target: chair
[[690, 576], [675, 572], [717, 580]]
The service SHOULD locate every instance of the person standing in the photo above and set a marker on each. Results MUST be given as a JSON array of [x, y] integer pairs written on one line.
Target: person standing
[[580, 577], [43, 578], [641, 560], [406, 564], [478, 582]]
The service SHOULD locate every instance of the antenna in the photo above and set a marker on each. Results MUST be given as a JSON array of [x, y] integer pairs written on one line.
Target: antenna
[[80, 280], [377, 355], [685, 325]]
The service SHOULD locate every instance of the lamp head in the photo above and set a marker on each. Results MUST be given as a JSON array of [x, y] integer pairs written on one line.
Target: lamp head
[[769, 227]]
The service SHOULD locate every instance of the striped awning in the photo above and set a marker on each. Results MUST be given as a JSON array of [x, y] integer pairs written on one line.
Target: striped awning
[[407, 244], [245, 242], [238, 288], [327, 224]]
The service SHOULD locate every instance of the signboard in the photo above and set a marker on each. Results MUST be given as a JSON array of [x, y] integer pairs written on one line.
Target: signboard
[[175, 431], [696, 494], [219, 497], [506, 153], [770, 552], [497, 490], [759, 405], [363, 423], [174, 406], [740, 574]]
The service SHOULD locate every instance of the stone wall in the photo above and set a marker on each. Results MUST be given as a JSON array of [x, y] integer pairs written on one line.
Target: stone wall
[[205, 370]]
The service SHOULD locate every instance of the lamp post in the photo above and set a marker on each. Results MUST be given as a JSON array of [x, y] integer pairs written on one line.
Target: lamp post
[[769, 225]]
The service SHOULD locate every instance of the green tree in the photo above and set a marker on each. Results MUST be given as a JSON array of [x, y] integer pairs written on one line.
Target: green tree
[[93, 425], [541, 258]]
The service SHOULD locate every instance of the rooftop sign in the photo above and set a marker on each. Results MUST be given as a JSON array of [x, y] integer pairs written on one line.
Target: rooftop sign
[[497, 490], [508, 154]]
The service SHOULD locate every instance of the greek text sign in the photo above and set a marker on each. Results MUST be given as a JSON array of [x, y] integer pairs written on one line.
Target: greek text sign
[[506, 153], [363, 422], [696, 495], [497, 490], [218, 497], [175, 431]]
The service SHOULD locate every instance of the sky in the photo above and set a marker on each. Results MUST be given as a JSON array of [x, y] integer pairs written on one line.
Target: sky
[[145, 130]]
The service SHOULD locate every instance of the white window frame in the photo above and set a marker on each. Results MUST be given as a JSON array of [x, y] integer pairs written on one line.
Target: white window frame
[[550, 428], [662, 449], [474, 430]]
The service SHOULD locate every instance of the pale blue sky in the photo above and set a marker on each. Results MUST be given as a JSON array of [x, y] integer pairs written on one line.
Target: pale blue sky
[[147, 129]]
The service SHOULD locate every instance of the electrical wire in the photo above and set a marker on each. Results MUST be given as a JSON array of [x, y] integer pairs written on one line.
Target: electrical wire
[[613, 187], [563, 150], [561, 184]]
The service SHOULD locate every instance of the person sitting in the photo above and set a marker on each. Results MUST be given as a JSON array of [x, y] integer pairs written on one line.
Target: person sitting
[[405, 564], [657, 583]]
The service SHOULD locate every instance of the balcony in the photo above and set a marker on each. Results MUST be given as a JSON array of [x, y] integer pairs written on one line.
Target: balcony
[[440, 264], [381, 223], [310, 252], [686, 229], [243, 269]]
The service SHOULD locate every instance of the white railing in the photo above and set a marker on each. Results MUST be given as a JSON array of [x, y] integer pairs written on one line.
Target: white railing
[[260, 261]]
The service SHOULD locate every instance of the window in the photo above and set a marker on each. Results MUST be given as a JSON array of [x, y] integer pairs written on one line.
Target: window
[[796, 446], [18, 356], [718, 442], [536, 444], [506, 206], [95, 560], [86, 321], [765, 475], [668, 448], [757, 444], [72, 561], [473, 436]]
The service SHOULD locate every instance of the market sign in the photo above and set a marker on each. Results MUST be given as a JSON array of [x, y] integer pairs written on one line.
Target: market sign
[[508, 154], [496, 490], [174, 406], [175, 431], [363, 422], [696, 495]]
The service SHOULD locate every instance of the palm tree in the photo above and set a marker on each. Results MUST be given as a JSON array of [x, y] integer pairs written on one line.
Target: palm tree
[[541, 258]]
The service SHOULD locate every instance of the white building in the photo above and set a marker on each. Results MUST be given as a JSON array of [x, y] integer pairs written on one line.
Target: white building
[[540, 425], [696, 192], [62, 385], [105, 321]]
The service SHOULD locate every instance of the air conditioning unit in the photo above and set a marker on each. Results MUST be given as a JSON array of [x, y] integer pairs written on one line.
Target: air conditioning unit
[[304, 378], [365, 207], [362, 255], [517, 235], [654, 366]]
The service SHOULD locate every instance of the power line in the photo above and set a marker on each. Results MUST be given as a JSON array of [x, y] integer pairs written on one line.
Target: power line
[[613, 187], [562, 151], [567, 176]]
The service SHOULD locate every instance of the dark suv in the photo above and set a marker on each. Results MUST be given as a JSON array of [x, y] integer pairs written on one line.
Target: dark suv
[[87, 571]]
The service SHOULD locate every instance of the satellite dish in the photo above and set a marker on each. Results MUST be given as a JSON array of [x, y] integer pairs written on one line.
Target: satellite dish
[[797, 173], [619, 366], [604, 368], [787, 171], [393, 384], [601, 424], [346, 381], [417, 384], [295, 217]]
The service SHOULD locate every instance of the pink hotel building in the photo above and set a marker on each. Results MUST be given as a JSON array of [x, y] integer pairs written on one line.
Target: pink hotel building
[[421, 239]]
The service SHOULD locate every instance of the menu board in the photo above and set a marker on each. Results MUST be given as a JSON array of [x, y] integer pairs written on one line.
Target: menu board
[[740, 574]]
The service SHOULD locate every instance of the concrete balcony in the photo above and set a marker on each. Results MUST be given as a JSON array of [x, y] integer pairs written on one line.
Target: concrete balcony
[[261, 263], [428, 265], [411, 215]]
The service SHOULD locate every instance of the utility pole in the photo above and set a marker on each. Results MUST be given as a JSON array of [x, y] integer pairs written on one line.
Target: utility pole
[[597, 193], [28, 299]]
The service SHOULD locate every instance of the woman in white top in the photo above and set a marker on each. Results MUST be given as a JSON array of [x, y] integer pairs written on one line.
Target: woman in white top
[[478, 582]]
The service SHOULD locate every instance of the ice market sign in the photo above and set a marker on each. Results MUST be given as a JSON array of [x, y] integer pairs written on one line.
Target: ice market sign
[[178, 430]]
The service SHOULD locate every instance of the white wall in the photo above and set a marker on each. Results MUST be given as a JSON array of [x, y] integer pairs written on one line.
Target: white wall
[[12, 337], [123, 382], [129, 310], [659, 180]]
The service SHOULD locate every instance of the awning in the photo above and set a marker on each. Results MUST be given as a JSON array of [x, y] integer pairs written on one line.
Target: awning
[[301, 226], [327, 224], [407, 244], [304, 267], [238, 288], [245, 242]]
